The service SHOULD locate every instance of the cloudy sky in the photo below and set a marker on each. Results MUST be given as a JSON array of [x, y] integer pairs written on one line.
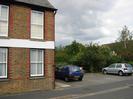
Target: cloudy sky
[[95, 21]]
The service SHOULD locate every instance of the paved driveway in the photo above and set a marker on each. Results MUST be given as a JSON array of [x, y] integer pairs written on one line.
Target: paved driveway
[[91, 79]]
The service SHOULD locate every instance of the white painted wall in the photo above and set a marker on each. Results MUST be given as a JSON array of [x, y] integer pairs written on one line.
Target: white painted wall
[[22, 43]]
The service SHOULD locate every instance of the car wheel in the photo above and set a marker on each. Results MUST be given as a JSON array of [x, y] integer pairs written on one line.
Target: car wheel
[[105, 72], [130, 74], [120, 73], [66, 79], [80, 79]]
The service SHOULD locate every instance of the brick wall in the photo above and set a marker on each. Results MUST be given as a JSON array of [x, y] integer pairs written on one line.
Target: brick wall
[[19, 58], [19, 22], [49, 26]]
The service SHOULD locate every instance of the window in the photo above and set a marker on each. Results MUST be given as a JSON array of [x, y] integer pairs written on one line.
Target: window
[[37, 27], [3, 63], [37, 62], [119, 66], [112, 66], [3, 20]]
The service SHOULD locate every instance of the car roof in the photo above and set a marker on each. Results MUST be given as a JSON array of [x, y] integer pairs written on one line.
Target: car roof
[[70, 66]]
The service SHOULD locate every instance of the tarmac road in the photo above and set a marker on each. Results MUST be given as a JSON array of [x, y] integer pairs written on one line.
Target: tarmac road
[[94, 86]]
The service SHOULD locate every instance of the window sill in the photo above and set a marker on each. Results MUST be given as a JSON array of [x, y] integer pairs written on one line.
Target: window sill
[[36, 78], [34, 39], [4, 37], [4, 80]]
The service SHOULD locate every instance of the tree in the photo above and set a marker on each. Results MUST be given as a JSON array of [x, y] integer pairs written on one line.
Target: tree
[[125, 36]]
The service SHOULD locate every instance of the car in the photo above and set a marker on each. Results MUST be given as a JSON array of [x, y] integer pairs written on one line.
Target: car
[[118, 68], [69, 72]]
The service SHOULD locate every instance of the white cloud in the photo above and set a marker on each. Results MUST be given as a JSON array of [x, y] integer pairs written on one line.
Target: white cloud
[[91, 20]]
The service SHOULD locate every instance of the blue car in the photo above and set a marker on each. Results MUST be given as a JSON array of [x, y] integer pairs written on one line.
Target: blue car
[[68, 73]]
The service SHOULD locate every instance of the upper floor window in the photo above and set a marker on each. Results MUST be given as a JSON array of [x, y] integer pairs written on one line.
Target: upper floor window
[[4, 10], [37, 27], [3, 62]]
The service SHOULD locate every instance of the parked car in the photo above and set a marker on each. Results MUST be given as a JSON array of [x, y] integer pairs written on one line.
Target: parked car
[[118, 68], [69, 73]]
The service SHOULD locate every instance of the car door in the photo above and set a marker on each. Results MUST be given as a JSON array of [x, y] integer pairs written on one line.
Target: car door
[[118, 67], [111, 68]]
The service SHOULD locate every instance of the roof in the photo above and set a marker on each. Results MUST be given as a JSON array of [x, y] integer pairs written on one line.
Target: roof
[[42, 3]]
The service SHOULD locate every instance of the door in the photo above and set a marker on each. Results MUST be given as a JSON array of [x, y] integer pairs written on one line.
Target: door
[[111, 68], [118, 67]]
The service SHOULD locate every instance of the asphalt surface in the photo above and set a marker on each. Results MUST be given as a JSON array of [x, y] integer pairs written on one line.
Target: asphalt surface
[[94, 86]]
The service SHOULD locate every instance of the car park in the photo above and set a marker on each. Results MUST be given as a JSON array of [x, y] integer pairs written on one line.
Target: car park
[[118, 68], [69, 72]]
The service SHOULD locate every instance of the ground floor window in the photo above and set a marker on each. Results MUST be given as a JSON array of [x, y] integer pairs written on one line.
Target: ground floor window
[[36, 62], [3, 62]]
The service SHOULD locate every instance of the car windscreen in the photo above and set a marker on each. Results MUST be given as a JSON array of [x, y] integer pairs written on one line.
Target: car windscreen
[[128, 65], [74, 69]]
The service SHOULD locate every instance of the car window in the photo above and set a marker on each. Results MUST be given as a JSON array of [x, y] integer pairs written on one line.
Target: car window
[[118, 66], [112, 66], [74, 69]]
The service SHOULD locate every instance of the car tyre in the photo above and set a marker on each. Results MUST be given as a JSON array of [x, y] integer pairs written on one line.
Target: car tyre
[[66, 79], [130, 74], [80, 79], [120, 73], [105, 72]]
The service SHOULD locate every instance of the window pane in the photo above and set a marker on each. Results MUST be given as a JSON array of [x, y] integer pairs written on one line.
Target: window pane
[[36, 31], [4, 13], [33, 69], [39, 69], [2, 69], [37, 18], [40, 56], [2, 55], [33, 56], [3, 28]]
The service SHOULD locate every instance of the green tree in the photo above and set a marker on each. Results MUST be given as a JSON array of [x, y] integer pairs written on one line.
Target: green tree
[[125, 36]]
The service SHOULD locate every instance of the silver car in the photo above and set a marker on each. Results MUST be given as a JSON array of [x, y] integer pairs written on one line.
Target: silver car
[[118, 68]]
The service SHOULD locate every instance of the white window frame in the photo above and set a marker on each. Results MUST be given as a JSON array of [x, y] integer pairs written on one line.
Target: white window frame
[[5, 76], [40, 25], [7, 20], [32, 62]]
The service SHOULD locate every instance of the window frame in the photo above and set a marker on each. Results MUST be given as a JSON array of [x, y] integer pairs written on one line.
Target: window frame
[[7, 20], [6, 62], [42, 64], [40, 25]]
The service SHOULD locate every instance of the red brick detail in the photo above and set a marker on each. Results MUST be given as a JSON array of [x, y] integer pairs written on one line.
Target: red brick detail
[[49, 26], [28, 64], [10, 20], [29, 23], [9, 63], [19, 22]]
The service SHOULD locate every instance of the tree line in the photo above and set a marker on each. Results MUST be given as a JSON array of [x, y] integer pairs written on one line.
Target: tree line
[[93, 57]]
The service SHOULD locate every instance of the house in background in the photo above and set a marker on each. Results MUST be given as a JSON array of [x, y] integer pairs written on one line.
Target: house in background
[[27, 38]]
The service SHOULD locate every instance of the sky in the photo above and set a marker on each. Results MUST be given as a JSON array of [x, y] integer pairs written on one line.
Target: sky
[[97, 21]]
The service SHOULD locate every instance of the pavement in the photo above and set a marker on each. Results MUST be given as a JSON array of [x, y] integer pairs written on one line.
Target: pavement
[[93, 86]]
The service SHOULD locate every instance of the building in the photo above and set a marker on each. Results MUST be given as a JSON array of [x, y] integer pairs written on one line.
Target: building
[[27, 38]]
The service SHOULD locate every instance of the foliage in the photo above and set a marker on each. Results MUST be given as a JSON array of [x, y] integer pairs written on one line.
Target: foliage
[[91, 57]]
